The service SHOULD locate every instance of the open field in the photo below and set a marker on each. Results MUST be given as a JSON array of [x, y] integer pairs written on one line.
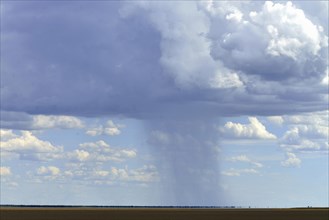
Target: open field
[[25, 213]]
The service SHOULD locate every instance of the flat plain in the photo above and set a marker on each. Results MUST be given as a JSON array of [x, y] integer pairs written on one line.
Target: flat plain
[[84, 213]]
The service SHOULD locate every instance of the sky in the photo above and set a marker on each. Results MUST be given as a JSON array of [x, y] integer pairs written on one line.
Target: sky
[[164, 103]]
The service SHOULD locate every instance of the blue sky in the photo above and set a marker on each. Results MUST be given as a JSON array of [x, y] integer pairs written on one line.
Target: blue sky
[[164, 103]]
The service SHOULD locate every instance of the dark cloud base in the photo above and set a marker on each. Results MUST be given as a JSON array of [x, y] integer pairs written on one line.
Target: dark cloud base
[[89, 59]]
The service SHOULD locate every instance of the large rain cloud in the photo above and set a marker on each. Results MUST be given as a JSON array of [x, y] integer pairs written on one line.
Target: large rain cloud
[[176, 65], [152, 59]]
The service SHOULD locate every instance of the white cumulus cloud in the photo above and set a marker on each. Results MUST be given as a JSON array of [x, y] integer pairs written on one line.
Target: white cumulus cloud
[[28, 146], [291, 160], [110, 128], [80, 155], [6, 134], [276, 33], [100, 151], [49, 170], [254, 130], [51, 121], [307, 132], [291, 32]]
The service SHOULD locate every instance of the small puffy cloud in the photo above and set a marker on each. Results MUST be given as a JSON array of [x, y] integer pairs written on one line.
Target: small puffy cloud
[[49, 173], [238, 172], [244, 158], [100, 151], [291, 160], [110, 128], [5, 171], [28, 146], [254, 130], [128, 153], [95, 131], [80, 155], [118, 173], [307, 132], [297, 139], [49, 170], [51, 121]]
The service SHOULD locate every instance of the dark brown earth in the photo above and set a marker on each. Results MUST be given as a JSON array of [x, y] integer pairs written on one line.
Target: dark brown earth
[[17, 213]]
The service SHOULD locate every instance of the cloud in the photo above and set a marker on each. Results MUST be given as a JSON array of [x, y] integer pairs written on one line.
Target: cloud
[[304, 36], [5, 171], [277, 33], [144, 174], [296, 139], [29, 147], [244, 158], [46, 122], [238, 172], [6, 134], [110, 128], [291, 160], [221, 58], [98, 175], [184, 47], [48, 173], [318, 118], [24, 121], [98, 146], [254, 169], [325, 80], [100, 152], [49, 170], [169, 64], [80, 155], [307, 132], [254, 130]]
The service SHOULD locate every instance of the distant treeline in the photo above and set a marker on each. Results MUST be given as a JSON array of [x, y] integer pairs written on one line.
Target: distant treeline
[[156, 207], [125, 206]]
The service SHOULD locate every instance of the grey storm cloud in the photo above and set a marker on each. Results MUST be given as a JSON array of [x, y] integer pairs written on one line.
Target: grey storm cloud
[[163, 59]]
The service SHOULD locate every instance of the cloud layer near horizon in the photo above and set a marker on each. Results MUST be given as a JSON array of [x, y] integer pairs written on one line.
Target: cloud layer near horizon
[[163, 59]]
